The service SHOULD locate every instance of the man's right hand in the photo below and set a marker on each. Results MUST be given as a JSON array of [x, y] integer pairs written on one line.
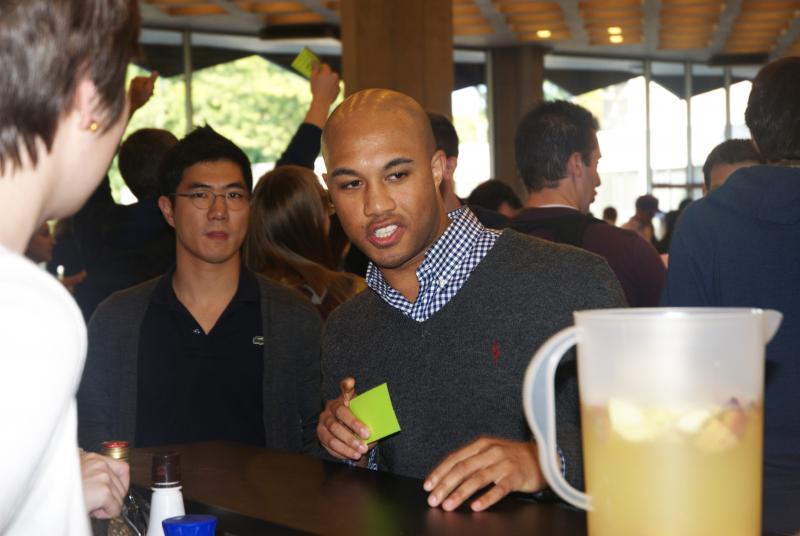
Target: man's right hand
[[338, 430]]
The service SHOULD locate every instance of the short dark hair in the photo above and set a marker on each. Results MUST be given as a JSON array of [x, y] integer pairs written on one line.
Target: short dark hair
[[46, 46], [729, 152], [547, 136], [203, 144], [492, 193], [140, 157], [647, 203], [609, 213], [773, 110], [444, 133]]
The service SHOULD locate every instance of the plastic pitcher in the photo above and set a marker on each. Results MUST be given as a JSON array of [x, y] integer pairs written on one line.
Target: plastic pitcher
[[671, 418]]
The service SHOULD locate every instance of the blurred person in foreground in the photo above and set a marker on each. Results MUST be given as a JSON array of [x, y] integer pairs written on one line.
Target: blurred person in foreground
[[739, 247], [62, 113], [726, 158], [288, 238], [557, 155], [441, 321]]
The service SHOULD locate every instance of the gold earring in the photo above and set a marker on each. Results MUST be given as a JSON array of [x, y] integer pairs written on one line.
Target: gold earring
[[94, 126]]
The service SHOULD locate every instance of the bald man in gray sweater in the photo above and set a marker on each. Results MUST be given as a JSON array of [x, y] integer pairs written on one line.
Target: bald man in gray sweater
[[451, 320]]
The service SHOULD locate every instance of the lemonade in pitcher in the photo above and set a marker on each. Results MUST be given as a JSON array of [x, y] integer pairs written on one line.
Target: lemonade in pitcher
[[673, 470], [672, 418]]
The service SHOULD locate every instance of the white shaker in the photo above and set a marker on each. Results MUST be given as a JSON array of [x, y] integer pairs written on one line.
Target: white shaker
[[167, 499]]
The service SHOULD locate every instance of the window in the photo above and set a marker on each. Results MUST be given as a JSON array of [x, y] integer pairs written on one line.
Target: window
[[472, 125]]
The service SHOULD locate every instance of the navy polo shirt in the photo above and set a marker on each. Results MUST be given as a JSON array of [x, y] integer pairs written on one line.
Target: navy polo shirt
[[196, 386]]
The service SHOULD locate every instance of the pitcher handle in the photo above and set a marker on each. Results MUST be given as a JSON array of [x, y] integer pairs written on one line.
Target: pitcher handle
[[773, 322], [538, 400]]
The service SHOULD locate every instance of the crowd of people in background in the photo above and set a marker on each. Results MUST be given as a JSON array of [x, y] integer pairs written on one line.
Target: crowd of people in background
[[276, 304]]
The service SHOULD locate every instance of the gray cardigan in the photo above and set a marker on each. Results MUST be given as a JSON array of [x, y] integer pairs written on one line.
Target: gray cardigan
[[291, 386]]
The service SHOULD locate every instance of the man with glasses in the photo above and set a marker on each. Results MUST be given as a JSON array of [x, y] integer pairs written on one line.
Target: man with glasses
[[209, 351]]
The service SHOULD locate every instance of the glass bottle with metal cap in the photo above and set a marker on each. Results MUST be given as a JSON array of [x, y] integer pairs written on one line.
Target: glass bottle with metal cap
[[132, 521]]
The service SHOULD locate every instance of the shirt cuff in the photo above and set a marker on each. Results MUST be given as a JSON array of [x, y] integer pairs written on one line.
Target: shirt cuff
[[372, 460]]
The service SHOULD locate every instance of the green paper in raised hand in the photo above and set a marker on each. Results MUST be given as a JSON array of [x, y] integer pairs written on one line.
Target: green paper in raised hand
[[374, 408], [305, 61]]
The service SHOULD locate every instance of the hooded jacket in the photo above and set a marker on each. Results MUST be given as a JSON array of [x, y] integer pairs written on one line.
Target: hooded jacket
[[740, 247]]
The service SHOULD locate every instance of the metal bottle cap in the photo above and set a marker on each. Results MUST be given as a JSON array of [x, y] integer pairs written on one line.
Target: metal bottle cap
[[166, 470], [119, 450]]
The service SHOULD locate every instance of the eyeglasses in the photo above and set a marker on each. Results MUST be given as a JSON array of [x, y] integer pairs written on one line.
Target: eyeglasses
[[205, 199]]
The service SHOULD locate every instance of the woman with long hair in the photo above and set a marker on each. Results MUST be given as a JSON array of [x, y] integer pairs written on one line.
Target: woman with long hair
[[288, 242]]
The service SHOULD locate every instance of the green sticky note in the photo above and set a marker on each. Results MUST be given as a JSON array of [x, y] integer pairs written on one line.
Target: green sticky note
[[374, 408], [304, 62]]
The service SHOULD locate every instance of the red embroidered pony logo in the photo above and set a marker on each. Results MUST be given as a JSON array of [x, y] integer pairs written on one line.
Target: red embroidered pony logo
[[495, 352]]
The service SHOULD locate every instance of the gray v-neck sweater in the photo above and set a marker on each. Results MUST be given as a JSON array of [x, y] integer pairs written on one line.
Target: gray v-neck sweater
[[458, 375]]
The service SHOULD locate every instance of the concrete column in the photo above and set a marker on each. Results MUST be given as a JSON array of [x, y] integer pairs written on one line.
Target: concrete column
[[514, 76], [188, 72], [405, 45]]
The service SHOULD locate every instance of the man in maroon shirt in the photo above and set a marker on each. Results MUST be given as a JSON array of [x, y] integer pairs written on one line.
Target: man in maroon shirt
[[557, 154]]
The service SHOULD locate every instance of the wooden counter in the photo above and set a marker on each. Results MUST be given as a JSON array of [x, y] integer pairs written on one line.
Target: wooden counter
[[258, 491]]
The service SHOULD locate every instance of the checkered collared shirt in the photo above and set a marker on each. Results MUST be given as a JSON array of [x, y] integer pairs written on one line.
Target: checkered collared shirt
[[446, 267]]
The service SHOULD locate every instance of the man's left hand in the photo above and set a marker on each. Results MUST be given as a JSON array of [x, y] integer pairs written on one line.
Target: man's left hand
[[509, 465]]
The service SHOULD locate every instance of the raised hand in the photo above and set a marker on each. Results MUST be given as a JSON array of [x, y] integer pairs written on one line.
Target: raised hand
[[324, 83], [141, 90], [324, 90]]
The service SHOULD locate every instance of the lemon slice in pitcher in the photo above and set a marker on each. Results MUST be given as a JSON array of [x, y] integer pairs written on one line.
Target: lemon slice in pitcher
[[636, 424]]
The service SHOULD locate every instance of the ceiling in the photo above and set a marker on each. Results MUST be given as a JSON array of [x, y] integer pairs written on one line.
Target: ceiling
[[704, 31]]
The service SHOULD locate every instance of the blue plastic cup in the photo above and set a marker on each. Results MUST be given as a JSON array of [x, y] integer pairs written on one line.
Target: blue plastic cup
[[192, 525]]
